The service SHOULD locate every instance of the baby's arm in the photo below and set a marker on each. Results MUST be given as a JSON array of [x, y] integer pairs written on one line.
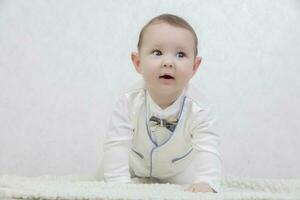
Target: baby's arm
[[117, 145], [206, 143]]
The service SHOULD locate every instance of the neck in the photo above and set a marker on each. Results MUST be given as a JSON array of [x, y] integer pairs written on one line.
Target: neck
[[164, 100]]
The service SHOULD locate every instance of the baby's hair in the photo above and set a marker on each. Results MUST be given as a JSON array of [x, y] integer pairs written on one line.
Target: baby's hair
[[172, 20]]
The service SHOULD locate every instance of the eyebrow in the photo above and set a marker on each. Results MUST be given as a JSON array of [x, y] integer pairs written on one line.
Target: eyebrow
[[177, 47], [182, 47]]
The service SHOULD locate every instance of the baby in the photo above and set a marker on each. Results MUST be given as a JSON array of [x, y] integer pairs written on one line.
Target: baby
[[161, 129]]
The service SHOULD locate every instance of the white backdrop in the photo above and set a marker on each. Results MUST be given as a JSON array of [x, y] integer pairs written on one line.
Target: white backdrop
[[62, 63]]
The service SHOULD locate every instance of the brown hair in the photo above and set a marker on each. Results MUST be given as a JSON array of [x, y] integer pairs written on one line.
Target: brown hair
[[171, 20]]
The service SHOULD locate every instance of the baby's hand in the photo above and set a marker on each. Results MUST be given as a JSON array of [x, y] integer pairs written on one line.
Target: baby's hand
[[199, 187]]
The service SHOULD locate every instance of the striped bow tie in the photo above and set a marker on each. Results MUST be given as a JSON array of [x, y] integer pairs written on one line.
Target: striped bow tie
[[169, 124]]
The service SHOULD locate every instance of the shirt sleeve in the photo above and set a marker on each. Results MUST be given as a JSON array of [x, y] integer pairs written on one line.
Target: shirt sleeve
[[117, 144], [206, 142]]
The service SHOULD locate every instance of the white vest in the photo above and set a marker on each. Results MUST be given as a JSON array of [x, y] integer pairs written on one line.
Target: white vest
[[147, 159]]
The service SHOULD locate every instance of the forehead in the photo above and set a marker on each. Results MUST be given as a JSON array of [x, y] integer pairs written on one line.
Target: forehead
[[163, 34]]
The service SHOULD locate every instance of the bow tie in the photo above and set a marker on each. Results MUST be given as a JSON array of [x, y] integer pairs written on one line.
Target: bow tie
[[169, 124]]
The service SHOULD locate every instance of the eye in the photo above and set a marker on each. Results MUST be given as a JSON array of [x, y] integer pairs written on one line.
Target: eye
[[180, 55], [156, 52]]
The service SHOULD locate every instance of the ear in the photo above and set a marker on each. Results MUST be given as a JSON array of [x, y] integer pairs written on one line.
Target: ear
[[135, 58], [196, 65]]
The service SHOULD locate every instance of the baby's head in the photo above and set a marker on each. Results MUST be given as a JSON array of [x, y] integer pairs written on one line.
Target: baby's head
[[171, 20], [167, 55]]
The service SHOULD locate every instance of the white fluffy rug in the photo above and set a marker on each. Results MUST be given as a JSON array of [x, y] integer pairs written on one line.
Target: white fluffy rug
[[84, 187]]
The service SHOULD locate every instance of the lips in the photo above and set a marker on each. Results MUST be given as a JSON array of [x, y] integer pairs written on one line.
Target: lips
[[166, 76]]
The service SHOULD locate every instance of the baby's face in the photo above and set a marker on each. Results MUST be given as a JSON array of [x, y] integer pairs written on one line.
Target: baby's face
[[166, 58]]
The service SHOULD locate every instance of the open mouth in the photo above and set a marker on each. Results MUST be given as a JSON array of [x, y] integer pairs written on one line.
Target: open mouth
[[166, 76]]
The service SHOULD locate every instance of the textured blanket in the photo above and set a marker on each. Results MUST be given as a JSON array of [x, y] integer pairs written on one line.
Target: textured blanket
[[84, 187]]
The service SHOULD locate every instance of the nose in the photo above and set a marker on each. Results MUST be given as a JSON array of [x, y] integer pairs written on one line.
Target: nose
[[167, 62]]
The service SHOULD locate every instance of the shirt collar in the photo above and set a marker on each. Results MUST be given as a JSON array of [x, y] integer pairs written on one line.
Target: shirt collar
[[170, 111]]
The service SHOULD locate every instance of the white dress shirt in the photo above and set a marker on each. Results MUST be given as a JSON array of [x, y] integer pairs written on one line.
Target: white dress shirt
[[126, 119], [158, 133]]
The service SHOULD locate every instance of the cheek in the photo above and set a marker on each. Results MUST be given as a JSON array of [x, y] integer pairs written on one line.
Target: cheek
[[185, 70], [146, 71], [150, 66]]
